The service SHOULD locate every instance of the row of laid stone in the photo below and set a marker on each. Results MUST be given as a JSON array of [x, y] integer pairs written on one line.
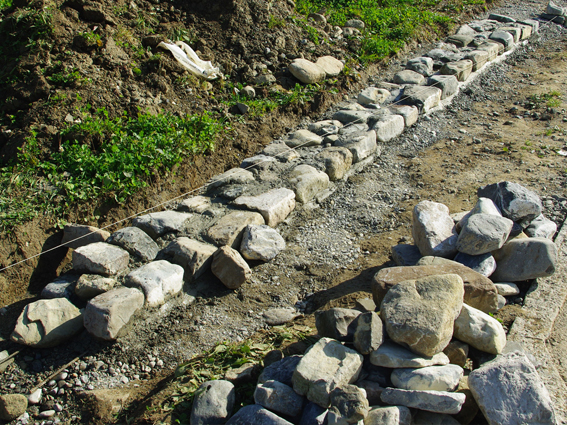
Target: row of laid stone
[[505, 236], [380, 381]]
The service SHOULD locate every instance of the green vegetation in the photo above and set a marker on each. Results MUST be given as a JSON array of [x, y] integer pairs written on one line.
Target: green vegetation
[[214, 363], [274, 99], [4, 4], [551, 100], [276, 22], [389, 23], [101, 158], [59, 75]]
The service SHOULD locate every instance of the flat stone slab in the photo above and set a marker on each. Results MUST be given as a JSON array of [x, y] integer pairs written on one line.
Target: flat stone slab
[[308, 182], [423, 98], [274, 205], [136, 242], [347, 116], [461, 69], [77, 235], [389, 127], [108, 315], [480, 292], [101, 258], [281, 152], [228, 230], [448, 84], [431, 378], [196, 204], [432, 401], [159, 223], [195, 257], [410, 114], [90, 285], [303, 138], [509, 390], [392, 355], [159, 280], [47, 323], [408, 76]]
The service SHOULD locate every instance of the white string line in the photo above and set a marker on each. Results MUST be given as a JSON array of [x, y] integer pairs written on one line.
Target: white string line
[[212, 180]]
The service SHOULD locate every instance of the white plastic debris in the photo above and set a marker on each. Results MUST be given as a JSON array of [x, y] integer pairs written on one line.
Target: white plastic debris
[[187, 57]]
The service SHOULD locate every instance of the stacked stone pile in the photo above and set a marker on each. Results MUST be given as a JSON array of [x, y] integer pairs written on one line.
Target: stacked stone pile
[[431, 354]]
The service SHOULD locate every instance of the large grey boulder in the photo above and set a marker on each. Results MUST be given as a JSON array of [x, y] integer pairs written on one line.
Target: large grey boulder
[[420, 314], [308, 182], [279, 398], [447, 83], [306, 71], [47, 323], [274, 205], [514, 201], [229, 229], [478, 58], [373, 95], [422, 65], [480, 330], [431, 378], [232, 176], [281, 152], [361, 144], [541, 227], [261, 242], [354, 117], [281, 371], [325, 365], [483, 233], [432, 401], [388, 127], [136, 242], [337, 323], [523, 259], [392, 355], [108, 315], [303, 138], [90, 285], [409, 113], [482, 206], [480, 292], [388, 415], [460, 40], [485, 264], [424, 98], [257, 415], [408, 77], [493, 49], [77, 235], [100, 258], [195, 257], [158, 279], [461, 69], [509, 391], [337, 161], [368, 333], [213, 403], [159, 223], [432, 230], [61, 287], [348, 404], [229, 266]]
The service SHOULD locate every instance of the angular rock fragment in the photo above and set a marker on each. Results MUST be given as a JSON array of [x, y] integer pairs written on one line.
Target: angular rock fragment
[[406, 255], [424, 98], [232, 176], [229, 229], [432, 401], [108, 315], [337, 323], [421, 65], [348, 404], [485, 264], [261, 242], [541, 227], [195, 257], [392, 355], [136, 242], [388, 415], [213, 403], [196, 204], [303, 138], [337, 161], [369, 333], [373, 95], [410, 114], [432, 230], [256, 414], [229, 266], [388, 127], [483, 233], [509, 391], [77, 235], [274, 205], [90, 285], [514, 201], [158, 280], [47, 323], [461, 69], [325, 365], [160, 223], [480, 331], [308, 182], [448, 84], [431, 378], [524, 259], [279, 398], [408, 77]]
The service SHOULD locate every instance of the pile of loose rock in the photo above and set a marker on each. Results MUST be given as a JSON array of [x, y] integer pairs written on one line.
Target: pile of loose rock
[[431, 354]]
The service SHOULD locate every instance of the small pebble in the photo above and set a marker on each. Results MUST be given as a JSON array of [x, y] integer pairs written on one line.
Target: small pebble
[[46, 414]]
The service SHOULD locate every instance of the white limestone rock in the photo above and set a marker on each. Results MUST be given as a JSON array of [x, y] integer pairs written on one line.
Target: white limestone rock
[[229, 266], [306, 71], [261, 242], [159, 223], [158, 279], [100, 258], [308, 182], [431, 378], [228, 229], [433, 230], [480, 331], [195, 257], [392, 355]]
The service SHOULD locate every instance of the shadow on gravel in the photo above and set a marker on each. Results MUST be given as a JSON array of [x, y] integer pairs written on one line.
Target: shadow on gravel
[[349, 288]]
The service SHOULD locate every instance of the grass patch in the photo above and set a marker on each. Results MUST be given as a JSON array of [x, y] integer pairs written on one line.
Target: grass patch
[[275, 99], [102, 158], [551, 100], [214, 363], [389, 23]]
